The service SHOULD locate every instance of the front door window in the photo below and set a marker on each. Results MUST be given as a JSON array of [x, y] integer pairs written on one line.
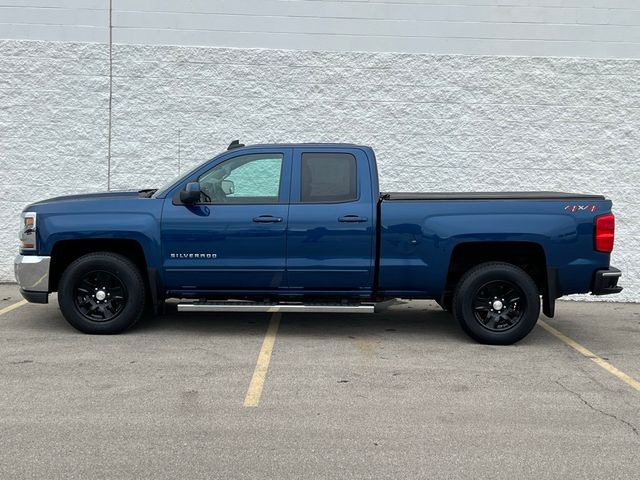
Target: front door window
[[246, 179]]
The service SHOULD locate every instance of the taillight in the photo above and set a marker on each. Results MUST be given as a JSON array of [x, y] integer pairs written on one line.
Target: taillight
[[605, 227]]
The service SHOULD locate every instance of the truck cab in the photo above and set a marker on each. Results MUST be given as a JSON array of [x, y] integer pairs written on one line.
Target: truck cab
[[286, 220]]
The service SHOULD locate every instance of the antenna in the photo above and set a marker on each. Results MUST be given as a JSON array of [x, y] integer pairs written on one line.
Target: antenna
[[179, 131], [235, 144]]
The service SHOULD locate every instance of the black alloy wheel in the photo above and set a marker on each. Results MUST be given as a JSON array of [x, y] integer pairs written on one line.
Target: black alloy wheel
[[100, 296], [499, 305]]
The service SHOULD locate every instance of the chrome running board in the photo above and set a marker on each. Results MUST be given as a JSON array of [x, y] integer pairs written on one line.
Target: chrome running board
[[237, 306]]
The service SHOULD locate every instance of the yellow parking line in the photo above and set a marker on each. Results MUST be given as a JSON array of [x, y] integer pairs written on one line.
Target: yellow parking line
[[12, 307], [262, 365], [591, 356]]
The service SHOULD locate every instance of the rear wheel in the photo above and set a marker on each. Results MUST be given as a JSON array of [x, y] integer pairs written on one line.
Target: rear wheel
[[101, 293], [496, 303]]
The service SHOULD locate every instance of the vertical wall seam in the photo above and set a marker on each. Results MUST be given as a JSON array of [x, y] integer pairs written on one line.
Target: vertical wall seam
[[110, 94]]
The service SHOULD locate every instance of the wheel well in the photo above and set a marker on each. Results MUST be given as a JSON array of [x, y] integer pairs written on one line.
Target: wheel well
[[66, 251], [526, 255]]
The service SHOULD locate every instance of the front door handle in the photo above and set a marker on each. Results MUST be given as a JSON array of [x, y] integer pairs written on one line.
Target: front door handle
[[352, 219], [267, 219]]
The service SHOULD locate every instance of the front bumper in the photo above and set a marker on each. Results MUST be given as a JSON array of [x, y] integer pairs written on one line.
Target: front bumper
[[32, 274], [606, 282]]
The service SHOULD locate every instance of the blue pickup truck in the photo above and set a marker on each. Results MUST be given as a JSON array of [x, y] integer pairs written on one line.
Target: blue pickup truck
[[304, 227]]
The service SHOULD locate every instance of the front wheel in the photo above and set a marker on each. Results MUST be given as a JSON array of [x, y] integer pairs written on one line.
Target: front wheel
[[496, 303], [101, 293]]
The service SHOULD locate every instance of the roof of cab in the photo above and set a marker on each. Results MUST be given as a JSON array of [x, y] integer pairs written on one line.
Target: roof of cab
[[307, 144]]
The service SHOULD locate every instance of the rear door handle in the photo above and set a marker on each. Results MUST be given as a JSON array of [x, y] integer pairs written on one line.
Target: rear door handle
[[267, 219], [352, 219]]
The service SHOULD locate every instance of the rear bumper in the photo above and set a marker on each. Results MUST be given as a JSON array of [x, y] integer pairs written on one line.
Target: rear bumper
[[605, 282], [32, 274]]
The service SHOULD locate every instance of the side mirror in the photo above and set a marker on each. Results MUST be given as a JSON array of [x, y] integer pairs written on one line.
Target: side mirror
[[228, 187], [191, 193]]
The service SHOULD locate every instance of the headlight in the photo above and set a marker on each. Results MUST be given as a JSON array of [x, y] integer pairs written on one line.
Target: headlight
[[28, 231]]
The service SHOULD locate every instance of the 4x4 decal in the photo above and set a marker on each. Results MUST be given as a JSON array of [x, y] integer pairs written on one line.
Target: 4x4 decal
[[581, 208]]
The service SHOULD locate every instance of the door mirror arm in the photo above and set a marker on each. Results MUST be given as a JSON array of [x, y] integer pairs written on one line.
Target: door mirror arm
[[191, 193]]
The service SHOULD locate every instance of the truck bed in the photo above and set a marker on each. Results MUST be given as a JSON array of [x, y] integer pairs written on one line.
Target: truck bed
[[420, 232], [390, 196]]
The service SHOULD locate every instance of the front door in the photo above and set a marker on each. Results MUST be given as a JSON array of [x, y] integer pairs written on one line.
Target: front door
[[330, 245], [234, 238]]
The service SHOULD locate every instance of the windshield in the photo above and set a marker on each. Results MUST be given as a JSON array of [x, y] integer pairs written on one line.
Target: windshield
[[163, 190]]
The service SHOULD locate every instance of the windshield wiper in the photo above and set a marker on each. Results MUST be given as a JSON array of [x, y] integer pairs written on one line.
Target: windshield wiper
[[147, 192]]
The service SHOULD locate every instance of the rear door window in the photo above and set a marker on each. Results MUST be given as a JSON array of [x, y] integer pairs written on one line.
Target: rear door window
[[328, 178]]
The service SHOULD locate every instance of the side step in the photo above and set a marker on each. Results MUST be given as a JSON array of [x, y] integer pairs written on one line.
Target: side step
[[237, 306]]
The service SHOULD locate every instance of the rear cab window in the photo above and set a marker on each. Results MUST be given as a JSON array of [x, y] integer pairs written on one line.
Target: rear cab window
[[328, 178]]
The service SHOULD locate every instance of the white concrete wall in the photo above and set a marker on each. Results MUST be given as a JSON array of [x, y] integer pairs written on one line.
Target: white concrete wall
[[438, 122]]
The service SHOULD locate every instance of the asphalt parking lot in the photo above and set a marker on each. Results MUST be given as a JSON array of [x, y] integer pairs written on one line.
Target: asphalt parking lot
[[399, 394]]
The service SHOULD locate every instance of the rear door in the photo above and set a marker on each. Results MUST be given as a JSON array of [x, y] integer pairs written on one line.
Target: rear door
[[331, 230]]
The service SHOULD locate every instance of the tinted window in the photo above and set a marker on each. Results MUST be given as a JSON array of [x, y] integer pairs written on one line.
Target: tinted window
[[328, 177], [244, 179]]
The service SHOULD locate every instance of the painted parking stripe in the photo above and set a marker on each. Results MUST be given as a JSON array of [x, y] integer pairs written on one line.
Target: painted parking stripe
[[632, 382], [12, 307], [262, 365]]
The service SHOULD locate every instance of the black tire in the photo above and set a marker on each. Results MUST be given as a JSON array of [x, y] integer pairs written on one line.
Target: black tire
[[496, 303], [102, 313]]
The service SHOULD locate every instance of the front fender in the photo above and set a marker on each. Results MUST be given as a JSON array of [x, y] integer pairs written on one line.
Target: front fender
[[128, 220]]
